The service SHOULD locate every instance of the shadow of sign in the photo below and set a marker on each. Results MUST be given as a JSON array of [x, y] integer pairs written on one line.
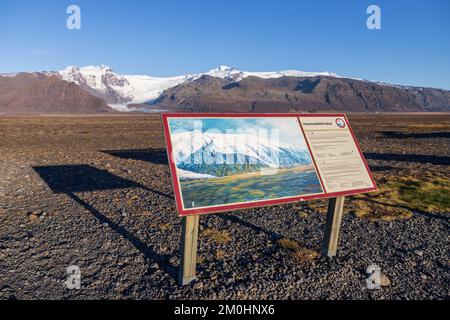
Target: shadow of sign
[[81, 178], [70, 179], [155, 156]]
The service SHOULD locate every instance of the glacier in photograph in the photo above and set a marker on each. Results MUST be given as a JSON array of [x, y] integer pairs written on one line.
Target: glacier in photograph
[[221, 154]]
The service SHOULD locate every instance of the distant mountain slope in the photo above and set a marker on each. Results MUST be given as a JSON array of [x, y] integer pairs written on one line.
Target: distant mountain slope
[[45, 93], [311, 94]]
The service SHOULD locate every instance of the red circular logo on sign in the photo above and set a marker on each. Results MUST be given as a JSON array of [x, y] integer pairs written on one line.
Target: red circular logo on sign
[[340, 123]]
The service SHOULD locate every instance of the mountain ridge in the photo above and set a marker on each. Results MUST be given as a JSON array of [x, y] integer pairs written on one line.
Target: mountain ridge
[[222, 89], [300, 94]]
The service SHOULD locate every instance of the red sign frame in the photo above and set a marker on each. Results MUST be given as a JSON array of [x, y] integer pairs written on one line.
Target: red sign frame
[[222, 208]]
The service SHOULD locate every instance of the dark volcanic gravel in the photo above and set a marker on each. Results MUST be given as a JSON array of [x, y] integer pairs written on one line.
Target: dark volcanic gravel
[[96, 192]]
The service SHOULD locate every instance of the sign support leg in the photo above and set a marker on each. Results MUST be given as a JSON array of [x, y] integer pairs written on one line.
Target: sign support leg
[[334, 215], [188, 249]]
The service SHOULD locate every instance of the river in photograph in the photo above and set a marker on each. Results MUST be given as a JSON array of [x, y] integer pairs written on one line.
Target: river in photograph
[[290, 182]]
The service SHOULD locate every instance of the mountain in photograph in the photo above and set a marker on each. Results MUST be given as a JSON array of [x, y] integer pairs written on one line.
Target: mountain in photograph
[[94, 89], [208, 155]]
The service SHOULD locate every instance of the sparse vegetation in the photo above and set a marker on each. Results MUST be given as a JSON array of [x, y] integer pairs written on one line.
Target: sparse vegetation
[[200, 259], [300, 254], [303, 255], [429, 195], [220, 254], [376, 211], [288, 244], [164, 226], [400, 196], [219, 236], [319, 206]]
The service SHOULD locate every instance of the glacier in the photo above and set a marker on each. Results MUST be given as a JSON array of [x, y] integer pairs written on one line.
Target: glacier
[[222, 154]]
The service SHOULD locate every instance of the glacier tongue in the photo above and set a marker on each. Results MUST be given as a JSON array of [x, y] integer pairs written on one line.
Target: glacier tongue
[[221, 154]]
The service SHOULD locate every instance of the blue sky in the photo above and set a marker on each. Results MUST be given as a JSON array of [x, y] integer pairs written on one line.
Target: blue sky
[[285, 130], [163, 38]]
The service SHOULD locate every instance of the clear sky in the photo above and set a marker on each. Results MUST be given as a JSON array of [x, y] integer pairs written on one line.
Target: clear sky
[[284, 130], [163, 38]]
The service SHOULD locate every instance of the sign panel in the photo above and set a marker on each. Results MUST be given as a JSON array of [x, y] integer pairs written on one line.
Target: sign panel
[[222, 162]]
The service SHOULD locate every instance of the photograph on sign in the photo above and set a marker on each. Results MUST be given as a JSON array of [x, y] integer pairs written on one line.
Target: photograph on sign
[[227, 161], [231, 161]]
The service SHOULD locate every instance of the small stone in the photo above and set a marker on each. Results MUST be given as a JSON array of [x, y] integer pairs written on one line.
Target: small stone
[[424, 277], [154, 266], [198, 286], [385, 281], [173, 260], [419, 252]]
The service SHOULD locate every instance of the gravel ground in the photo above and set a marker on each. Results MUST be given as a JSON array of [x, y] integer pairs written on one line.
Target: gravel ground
[[95, 192]]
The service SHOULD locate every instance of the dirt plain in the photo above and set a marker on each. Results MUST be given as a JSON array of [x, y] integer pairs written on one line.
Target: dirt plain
[[95, 191]]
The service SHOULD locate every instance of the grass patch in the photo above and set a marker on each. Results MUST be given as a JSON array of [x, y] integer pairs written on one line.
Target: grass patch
[[303, 255], [164, 226], [219, 236], [300, 254], [428, 195], [317, 206], [200, 259], [220, 254], [288, 244], [377, 211], [400, 196]]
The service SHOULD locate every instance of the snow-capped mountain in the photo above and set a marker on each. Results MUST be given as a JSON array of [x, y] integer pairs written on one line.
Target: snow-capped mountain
[[120, 90], [236, 75], [101, 81], [218, 154]]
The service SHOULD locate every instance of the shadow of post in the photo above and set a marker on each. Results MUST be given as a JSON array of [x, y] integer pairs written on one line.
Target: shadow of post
[[69, 179]]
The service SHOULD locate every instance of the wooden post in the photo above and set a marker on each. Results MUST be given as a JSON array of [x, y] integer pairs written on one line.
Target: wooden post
[[334, 215], [188, 249]]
